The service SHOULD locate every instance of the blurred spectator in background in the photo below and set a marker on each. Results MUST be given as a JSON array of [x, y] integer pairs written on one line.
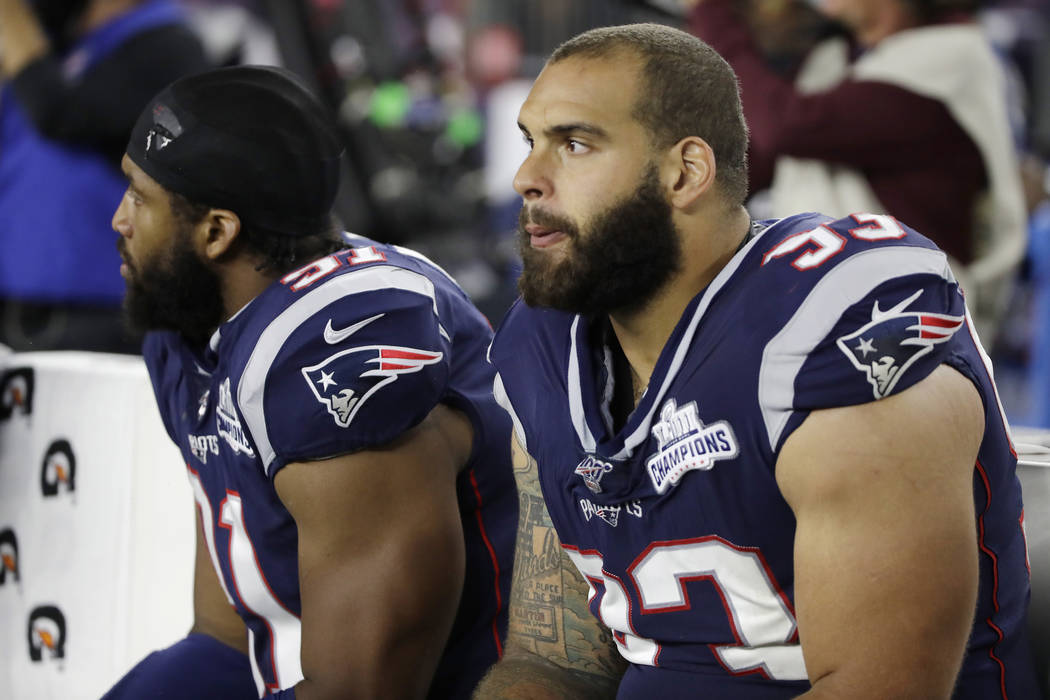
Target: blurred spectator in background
[[76, 75], [907, 116]]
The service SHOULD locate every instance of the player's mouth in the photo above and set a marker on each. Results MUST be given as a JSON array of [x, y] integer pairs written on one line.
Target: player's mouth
[[543, 237], [125, 264]]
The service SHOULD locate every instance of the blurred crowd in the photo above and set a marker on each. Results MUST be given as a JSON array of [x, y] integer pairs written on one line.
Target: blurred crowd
[[939, 115]]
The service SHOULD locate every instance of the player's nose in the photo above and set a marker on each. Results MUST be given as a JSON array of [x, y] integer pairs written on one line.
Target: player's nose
[[531, 181], [121, 222]]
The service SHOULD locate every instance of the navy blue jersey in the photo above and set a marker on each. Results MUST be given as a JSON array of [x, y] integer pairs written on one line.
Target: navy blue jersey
[[341, 355], [676, 520]]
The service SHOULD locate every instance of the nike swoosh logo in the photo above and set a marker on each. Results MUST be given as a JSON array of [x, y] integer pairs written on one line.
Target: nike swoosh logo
[[332, 336]]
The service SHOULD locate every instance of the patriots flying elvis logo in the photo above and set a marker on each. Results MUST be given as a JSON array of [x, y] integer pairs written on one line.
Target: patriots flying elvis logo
[[347, 379], [894, 340]]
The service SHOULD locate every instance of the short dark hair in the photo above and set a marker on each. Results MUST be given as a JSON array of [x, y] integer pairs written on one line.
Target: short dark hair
[[278, 252], [687, 90]]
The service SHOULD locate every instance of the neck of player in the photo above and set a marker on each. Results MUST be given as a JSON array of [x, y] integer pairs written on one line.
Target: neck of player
[[241, 282], [708, 244]]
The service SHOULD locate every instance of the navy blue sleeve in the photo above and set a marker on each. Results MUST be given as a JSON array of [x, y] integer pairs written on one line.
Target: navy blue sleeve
[[352, 375], [887, 342], [161, 357], [863, 308]]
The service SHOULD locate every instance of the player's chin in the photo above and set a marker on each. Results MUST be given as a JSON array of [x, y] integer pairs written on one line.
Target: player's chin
[[549, 260], [544, 288]]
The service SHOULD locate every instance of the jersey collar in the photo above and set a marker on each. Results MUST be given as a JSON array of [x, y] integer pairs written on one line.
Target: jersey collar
[[589, 407]]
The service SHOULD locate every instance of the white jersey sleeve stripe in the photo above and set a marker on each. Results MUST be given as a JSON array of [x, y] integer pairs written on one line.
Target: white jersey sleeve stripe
[[409, 253], [252, 386], [991, 375], [844, 286], [579, 419], [500, 394]]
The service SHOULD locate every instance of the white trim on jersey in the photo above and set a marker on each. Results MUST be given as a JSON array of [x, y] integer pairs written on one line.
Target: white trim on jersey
[[260, 684], [608, 391], [415, 254], [252, 385], [408, 253], [641, 433], [991, 375], [576, 412], [216, 337], [500, 394], [842, 287]]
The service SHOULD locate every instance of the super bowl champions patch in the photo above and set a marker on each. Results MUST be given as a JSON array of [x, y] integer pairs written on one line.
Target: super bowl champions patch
[[886, 347], [687, 444]]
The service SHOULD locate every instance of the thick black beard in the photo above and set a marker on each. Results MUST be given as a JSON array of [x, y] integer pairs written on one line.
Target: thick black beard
[[628, 253], [176, 292]]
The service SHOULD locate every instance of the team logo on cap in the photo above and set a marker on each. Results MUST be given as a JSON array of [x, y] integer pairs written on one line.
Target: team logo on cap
[[59, 470], [347, 379], [894, 340], [156, 140], [47, 633], [166, 128], [8, 556], [16, 392]]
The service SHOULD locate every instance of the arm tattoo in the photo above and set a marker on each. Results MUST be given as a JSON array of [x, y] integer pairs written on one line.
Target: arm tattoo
[[548, 609]]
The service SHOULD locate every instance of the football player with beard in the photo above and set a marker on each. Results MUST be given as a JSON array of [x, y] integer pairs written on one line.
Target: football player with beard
[[756, 459], [331, 398]]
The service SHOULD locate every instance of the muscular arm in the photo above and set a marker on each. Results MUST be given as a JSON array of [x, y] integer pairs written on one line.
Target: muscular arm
[[212, 613], [381, 561], [885, 550], [555, 647]]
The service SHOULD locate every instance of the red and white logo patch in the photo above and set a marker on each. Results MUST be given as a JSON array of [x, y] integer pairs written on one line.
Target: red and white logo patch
[[894, 340]]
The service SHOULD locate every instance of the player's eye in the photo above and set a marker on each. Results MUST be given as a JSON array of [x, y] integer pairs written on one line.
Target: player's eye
[[528, 140], [575, 146]]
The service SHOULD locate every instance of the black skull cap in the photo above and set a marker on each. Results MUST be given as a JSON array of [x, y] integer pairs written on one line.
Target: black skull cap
[[251, 139]]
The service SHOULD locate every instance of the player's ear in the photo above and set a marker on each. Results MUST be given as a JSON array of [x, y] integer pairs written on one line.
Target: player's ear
[[692, 164], [218, 230]]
